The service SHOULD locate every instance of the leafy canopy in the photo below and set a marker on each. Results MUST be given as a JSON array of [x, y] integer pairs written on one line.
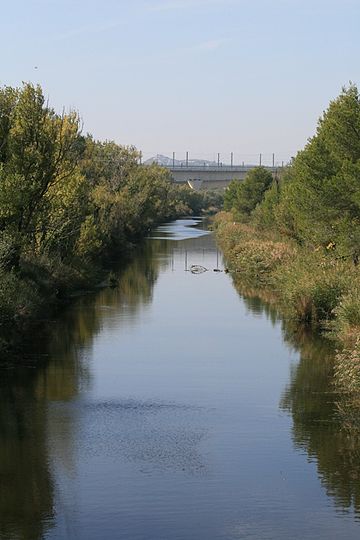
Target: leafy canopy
[[245, 196]]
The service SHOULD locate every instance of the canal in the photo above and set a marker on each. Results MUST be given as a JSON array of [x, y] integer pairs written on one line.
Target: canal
[[172, 407]]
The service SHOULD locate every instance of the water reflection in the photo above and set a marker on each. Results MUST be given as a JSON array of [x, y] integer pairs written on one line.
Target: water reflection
[[80, 447], [26, 489], [313, 404], [30, 398], [311, 399], [180, 229]]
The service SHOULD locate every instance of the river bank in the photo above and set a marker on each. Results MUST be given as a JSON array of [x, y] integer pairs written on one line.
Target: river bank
[[41, 288], [307, 287]]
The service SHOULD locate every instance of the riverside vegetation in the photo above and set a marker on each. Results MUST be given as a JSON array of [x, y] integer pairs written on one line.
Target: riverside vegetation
[[67, 202], [295, 239]]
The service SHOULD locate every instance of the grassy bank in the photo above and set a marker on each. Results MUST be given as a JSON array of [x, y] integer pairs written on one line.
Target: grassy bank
[[308, 287]]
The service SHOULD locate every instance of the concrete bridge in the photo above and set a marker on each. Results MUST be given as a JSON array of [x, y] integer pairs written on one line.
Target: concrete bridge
[[210, 177]]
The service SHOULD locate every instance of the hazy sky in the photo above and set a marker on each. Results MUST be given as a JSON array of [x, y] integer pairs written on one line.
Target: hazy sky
[[207, 76]]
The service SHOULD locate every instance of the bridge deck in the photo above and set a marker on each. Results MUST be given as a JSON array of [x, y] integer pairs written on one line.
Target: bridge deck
[[218, 168], [212, 176]]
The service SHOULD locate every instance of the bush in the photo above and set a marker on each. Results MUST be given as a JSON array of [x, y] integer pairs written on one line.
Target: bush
[[18, 299], [258, 259], [255, 257], [264, 214], [347, 313], [347, 386], [311, 286], [244, 196], [9, 251]]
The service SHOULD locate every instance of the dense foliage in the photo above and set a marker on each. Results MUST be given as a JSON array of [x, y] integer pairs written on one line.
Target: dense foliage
[[318, 200], [243, 197], [67, 201]]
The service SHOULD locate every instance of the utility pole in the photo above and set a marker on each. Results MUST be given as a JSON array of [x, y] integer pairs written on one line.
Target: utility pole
[[260, 159], [273, 160], [218, 160], [232, 159], [173, 160], [187, 159]]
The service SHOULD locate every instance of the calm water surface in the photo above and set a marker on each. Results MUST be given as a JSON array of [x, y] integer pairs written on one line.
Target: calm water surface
[[172, 407]]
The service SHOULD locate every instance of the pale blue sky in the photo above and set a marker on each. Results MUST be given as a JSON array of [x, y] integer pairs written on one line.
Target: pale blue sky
[[200, 75]]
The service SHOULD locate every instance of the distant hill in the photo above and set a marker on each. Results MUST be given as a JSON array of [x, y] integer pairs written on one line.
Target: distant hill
[[168, 162]]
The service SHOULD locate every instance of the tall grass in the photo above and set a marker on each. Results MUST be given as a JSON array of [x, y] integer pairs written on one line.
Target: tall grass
[[311, 286]]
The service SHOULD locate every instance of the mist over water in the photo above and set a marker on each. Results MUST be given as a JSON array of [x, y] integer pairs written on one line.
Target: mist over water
[[173, 407]]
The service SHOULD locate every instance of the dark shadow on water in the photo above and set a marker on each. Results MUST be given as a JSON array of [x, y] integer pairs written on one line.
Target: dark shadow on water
[[54, 371]]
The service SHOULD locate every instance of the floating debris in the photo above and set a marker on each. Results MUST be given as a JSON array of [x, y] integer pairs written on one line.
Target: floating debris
[[197, 269]]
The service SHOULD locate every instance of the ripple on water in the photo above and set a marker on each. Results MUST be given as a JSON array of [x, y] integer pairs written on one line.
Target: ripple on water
[[156, 434]]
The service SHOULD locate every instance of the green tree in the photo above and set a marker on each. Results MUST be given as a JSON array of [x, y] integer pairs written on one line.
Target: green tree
[[320, 196], [107, 162], [231, 193], [245, 196], [38, 169]]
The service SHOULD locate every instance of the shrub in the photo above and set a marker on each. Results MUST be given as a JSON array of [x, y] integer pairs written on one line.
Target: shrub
[[309, 284], [347, 385], [19, 299], [9, 251], [258, 259], [347, 313], [244, 196], [311, 287]]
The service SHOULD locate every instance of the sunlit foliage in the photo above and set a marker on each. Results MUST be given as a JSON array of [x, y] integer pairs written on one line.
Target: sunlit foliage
[[68, 203]]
